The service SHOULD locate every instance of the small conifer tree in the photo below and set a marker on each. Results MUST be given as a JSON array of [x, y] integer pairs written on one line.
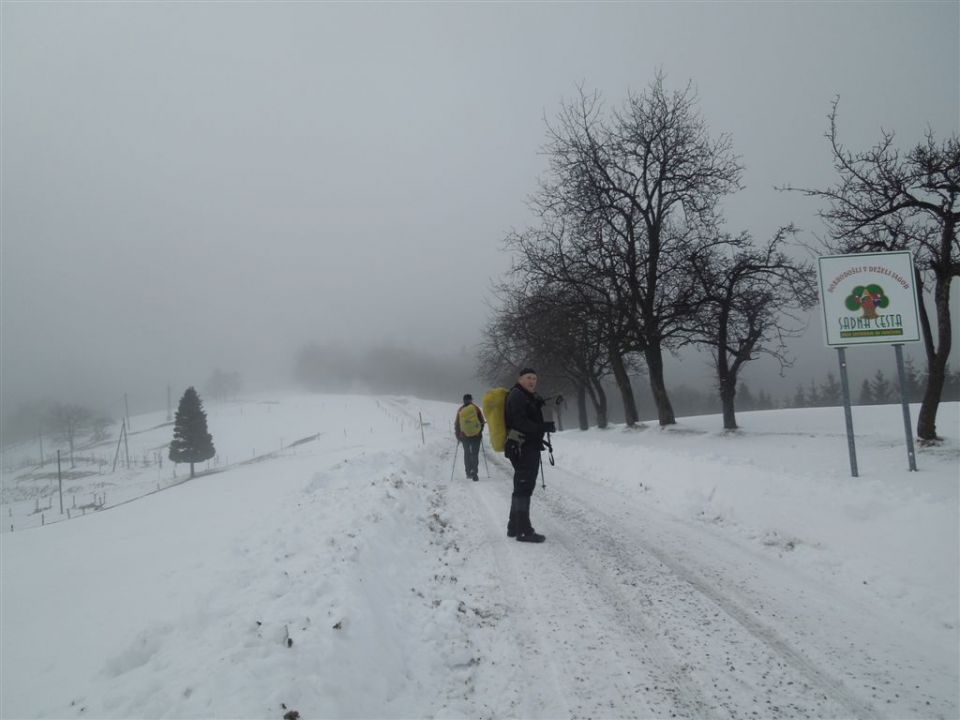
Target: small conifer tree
[[800, 398], [881, 388], [915, 384], [191, 443], [764, 401], [831, 392]]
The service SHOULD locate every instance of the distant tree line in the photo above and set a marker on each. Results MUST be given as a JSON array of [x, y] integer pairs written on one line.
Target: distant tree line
[[71, 422], [56, 422], [630, 259], [878, 389], [224, 384]]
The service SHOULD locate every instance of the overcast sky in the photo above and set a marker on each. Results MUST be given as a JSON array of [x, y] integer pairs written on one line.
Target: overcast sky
[[191, 185]]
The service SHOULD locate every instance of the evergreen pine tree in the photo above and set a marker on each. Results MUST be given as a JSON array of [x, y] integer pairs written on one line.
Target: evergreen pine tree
[[866, 394], [745, 398], [191, 442], [764, 401], [830, 392], [813, 395], [800, 399], [914, 384], [881, 389]]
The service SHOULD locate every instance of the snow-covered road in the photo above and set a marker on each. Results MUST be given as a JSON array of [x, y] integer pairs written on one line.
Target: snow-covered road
[[626, 612]]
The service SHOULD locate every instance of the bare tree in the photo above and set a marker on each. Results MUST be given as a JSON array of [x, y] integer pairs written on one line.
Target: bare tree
[[886, 200], [747, 306], [557, 334], [100, 423], [68, 421], [652, 177], [568, 260]]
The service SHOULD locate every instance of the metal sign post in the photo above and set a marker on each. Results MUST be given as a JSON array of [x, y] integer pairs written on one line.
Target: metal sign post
[[851, 444], [907, 429]]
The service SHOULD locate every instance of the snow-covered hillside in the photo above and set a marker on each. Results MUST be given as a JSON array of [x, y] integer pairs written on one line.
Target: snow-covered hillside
[[327, 563]]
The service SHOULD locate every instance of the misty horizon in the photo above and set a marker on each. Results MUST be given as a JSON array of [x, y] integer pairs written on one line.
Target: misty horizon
[[394, 371]]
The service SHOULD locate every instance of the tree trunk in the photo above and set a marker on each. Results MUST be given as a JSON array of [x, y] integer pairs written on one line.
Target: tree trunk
[[927, 419], [726, 375], [625, 386], [582, 407], [728, 391], [191, 470], [599, 399], [936, 356], [654, 357]]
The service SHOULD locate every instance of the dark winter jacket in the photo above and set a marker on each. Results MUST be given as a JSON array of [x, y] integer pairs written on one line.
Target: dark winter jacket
[[524, 413]]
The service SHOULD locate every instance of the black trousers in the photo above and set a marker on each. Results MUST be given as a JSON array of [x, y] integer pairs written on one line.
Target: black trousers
[[525, 470], [471, 455]]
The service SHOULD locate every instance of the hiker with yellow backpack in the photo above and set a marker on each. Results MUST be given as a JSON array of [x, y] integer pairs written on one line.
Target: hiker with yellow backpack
[[468, 427], [517, 429]]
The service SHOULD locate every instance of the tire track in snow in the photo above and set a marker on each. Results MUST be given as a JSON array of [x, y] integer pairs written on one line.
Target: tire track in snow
[[820, 693], [597, 647]]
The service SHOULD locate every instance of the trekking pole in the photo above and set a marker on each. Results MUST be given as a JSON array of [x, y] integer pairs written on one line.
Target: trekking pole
[[483, 449], [454, 468], [543, 479]]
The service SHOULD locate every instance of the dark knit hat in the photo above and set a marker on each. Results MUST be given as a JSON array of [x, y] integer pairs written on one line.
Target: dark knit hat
[[526, 371], [467, 398]]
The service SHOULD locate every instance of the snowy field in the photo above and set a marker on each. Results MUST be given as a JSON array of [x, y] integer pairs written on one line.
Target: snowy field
[[326, 563]]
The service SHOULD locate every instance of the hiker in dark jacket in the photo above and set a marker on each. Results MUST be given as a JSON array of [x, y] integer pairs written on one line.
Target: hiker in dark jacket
[[468, 427], [523, 416]]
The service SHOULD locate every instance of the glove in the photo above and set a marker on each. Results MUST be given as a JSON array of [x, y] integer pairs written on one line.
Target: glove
[[549, 427], [512, 447]]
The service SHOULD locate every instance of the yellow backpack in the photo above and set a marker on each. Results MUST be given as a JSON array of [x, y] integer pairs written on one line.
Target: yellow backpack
[[494, 403], [469, 420]]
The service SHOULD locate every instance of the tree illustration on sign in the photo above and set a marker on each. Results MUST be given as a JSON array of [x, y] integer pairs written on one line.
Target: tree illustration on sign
[[867, 298]]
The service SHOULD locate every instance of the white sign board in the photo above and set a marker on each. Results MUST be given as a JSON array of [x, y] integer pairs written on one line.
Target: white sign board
[[869, 299]]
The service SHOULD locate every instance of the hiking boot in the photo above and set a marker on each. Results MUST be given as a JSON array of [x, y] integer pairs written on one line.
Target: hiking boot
[[476, 478], [513, 525], [531, 537]]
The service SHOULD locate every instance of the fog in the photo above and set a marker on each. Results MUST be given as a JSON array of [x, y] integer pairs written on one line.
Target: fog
[[187, 186]]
